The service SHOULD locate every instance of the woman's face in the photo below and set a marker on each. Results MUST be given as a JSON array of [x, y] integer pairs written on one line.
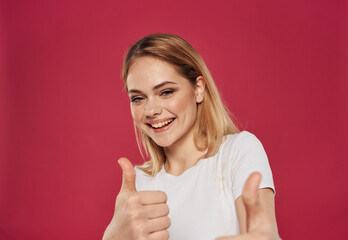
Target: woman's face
[[163, 103]]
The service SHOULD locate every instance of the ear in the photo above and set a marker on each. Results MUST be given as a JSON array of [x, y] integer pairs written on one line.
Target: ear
[[200, 89]]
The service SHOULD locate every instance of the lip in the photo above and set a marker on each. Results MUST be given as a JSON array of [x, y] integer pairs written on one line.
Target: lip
[[159, 130], [158, 121]]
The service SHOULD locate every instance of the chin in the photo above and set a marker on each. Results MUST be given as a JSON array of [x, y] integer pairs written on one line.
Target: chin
[[162, 142]]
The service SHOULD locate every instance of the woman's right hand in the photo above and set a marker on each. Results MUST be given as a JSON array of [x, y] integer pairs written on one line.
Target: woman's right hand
[[138, 215]]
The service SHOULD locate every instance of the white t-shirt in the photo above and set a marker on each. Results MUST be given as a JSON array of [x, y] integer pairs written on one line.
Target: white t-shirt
[[202, 200]]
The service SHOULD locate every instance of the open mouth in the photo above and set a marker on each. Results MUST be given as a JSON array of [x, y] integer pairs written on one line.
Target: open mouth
[[162, 124]]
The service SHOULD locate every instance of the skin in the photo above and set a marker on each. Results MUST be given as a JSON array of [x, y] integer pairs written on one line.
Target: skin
[[255, 210], [157, 93], [177, 98], [139, 215]]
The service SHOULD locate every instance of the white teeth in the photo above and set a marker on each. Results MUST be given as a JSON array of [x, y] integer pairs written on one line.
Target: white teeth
[[158, 125]]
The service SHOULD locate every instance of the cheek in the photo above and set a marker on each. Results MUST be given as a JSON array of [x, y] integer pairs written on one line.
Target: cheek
[[137, 114], [184, 104]]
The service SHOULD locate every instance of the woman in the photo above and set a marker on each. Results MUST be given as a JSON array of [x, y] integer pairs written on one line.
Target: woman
[[192, 186]]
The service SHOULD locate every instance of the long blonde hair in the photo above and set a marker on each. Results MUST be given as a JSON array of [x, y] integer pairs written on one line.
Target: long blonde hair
[[213, 119]]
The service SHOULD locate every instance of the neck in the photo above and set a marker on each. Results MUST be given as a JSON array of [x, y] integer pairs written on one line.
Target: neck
[[182, 155]]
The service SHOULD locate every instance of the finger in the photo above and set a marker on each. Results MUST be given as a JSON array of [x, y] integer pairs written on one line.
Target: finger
[[246, 236], [250, 191], [158, 224], [229, 238], [128, 176], [156, 210], [152, 197], [251, 199], [159, 235]]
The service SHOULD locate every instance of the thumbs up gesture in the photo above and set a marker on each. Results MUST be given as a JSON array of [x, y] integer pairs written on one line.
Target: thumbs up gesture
[[260, 219], [138, 215]]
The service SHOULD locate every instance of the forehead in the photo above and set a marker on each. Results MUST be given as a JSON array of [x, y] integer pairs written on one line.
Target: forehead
[[150, 71]]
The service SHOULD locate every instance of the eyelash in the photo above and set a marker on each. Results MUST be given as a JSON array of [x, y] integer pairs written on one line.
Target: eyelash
[[163, 93], [136, 99], [167, 92]]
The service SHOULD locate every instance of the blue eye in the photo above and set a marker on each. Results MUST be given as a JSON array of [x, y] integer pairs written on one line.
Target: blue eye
[[166, 92], [136, 99]]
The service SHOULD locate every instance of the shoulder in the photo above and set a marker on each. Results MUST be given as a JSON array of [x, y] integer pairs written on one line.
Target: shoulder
[[242, 150], [242, 141], [247, 155], [241, 137], [239, 148]]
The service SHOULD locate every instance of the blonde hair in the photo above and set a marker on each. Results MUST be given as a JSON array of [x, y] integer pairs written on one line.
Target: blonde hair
[[213, 119]]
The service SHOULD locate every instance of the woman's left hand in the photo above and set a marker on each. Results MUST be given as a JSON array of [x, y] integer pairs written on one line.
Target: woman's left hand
[[259, 225]]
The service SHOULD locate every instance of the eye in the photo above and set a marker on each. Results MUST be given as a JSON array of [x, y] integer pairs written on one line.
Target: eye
[[167, 92], [136, 99]]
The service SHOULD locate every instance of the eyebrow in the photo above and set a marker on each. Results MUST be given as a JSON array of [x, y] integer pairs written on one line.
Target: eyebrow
[[154, 88]]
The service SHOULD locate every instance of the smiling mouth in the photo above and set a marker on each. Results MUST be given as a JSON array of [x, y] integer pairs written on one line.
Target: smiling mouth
[[162, 124]]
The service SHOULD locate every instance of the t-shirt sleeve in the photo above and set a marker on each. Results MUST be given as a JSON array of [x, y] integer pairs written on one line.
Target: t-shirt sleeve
[[248, 155]]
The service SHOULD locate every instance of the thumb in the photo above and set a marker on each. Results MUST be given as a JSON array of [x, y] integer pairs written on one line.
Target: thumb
[[251, 198], [128, 176]]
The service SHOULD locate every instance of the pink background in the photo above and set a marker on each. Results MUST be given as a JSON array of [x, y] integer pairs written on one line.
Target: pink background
[[281, 67]]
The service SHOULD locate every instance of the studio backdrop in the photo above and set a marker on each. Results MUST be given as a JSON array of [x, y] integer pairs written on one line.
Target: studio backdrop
[[281, 67]]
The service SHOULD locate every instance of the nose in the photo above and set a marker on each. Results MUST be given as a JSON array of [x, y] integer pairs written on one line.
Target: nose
[[152, 108]]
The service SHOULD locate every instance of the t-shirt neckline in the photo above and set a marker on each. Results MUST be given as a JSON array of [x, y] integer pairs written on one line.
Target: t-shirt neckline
[[188, 171]]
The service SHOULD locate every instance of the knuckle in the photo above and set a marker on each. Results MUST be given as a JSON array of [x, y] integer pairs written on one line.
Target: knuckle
[[168, 222], [166, 209], [164, 196], [138, 228], [164, 235], [132, 200], [134, 213], [134, 197], [160, 235]]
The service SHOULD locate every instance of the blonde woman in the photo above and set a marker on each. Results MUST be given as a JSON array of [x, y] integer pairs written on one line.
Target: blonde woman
[[204, 179]]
